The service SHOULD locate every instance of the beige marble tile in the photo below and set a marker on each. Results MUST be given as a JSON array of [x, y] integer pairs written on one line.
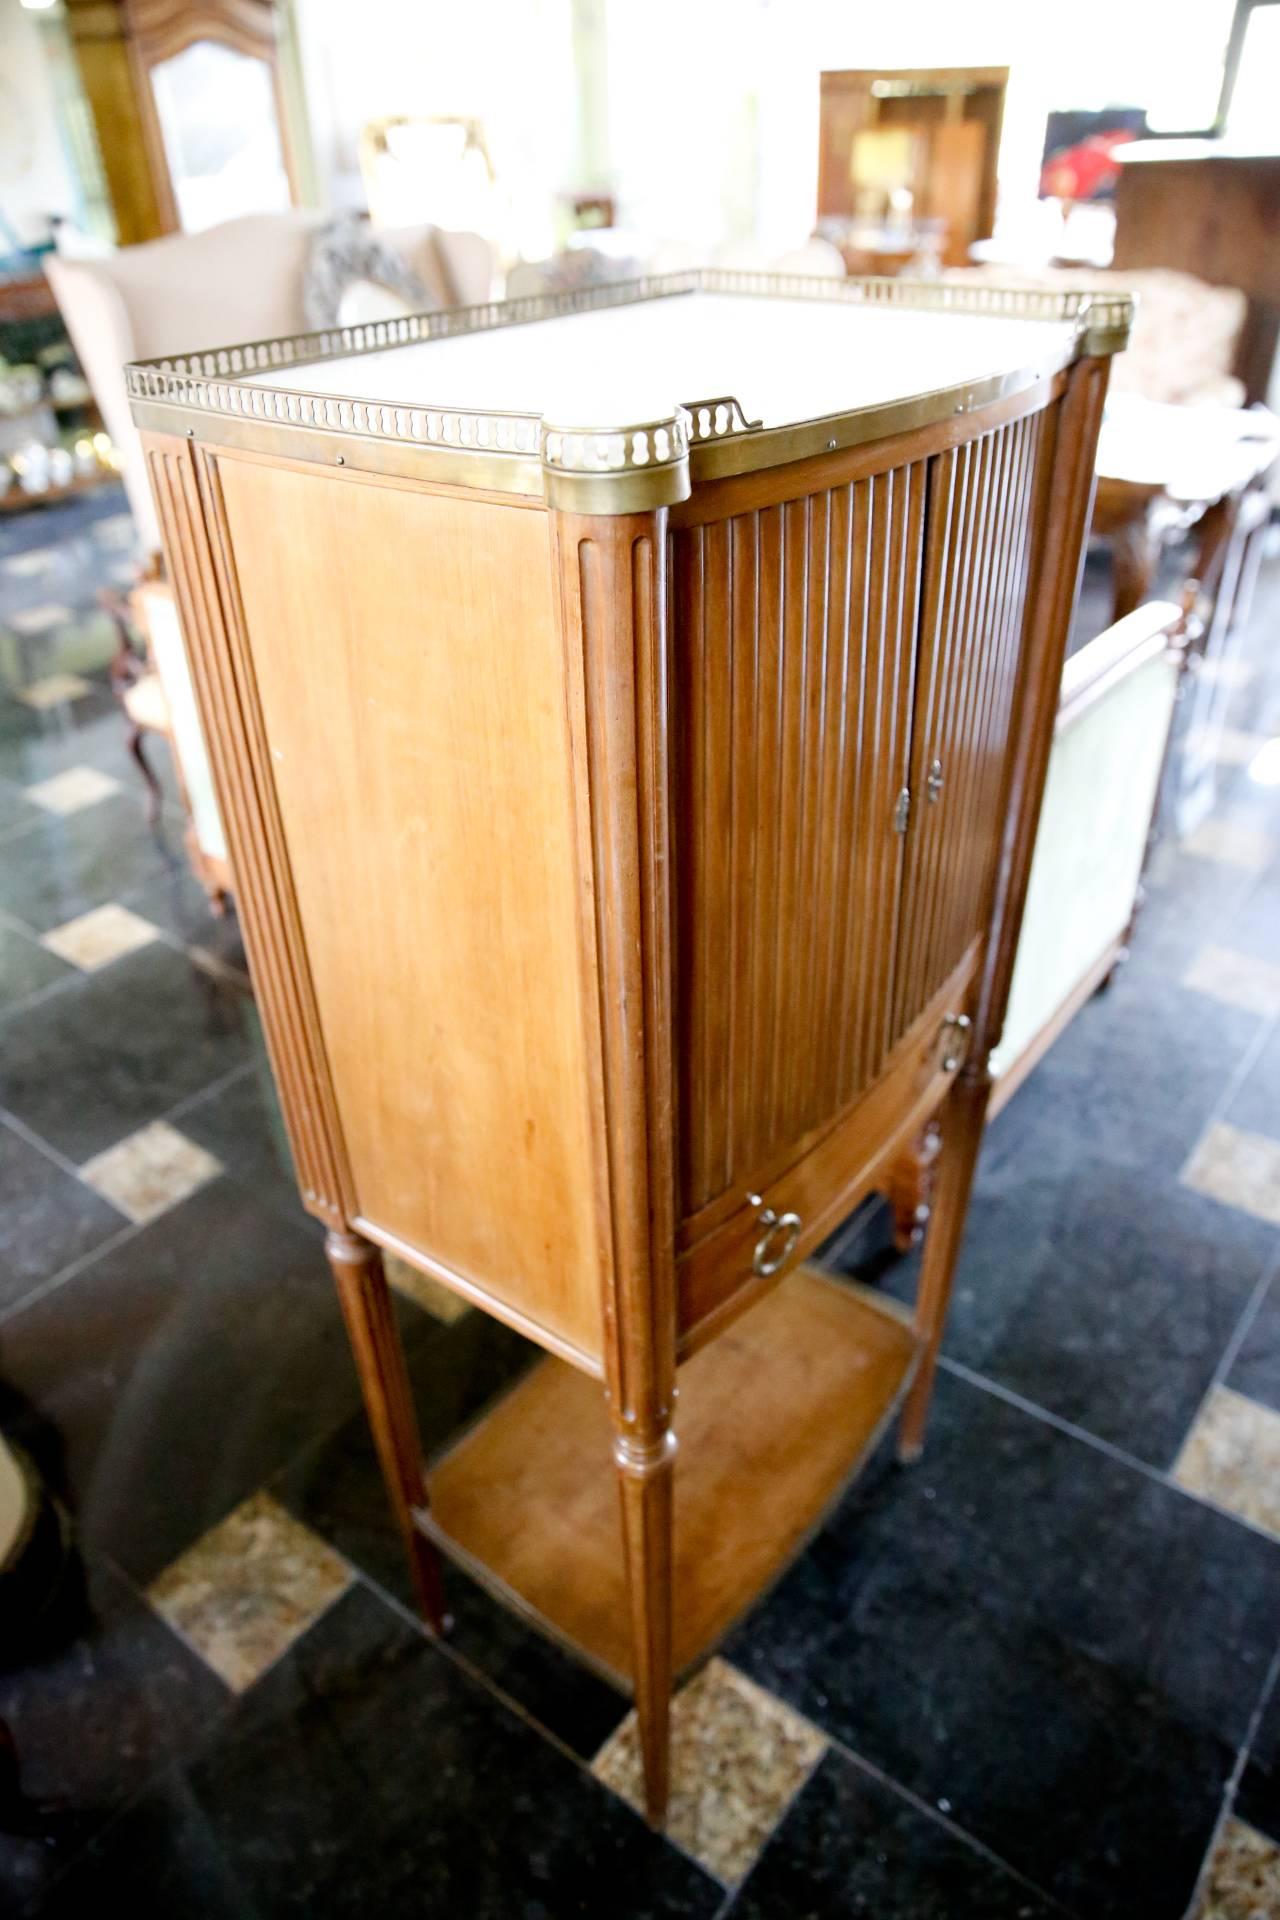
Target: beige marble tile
[[96, 938], [150, 1171], [70, 791], [1236, 979], [738, 1759], [37, 560], [1229, 746], [244, 1593], [31, 620], [1238, 1168], [53, 690], [1243, 1881], [429, 1294], [1232, 1457], [1232, 842]]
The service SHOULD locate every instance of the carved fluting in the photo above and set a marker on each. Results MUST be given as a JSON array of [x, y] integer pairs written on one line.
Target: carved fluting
[[614, 580], [793, 664], [981, 532], [222, 671], [614, 591]]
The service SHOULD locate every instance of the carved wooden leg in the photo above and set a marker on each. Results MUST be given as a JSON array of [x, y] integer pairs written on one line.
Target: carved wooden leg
[[388, 1399], [646, 1474], [962, 1124]]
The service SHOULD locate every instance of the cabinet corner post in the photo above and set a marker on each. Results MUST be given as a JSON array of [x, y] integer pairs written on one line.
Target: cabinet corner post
[[613, 589]]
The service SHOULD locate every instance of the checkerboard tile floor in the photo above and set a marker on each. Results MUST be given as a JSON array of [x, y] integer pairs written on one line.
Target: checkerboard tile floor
[[1035, 1676]]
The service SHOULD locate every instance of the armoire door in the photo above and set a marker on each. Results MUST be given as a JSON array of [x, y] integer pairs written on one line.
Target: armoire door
[[793, 666], [982, 524]]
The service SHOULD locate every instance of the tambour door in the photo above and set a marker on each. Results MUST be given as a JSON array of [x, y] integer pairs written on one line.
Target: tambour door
[[794, 640], [984, 512]]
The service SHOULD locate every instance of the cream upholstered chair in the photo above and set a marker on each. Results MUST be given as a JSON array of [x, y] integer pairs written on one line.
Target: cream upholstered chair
[[239, 281], [242, 280], [1105, 769]]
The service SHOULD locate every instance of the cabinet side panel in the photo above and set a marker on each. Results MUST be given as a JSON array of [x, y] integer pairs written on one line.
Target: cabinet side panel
[[411, 676], [793, 680], [263, 882]]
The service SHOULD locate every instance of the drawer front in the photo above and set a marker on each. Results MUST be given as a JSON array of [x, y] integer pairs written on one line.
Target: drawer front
[[771, 1230]]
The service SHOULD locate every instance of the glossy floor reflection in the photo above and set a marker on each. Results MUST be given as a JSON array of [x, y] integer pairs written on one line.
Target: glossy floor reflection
[[1035, 1676]]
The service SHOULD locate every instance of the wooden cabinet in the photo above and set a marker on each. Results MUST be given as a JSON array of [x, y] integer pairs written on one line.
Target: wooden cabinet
[[631, 826]]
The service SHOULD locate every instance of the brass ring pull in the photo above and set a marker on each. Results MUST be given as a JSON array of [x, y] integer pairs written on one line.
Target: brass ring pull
[[773, 1223], [955, 1040]]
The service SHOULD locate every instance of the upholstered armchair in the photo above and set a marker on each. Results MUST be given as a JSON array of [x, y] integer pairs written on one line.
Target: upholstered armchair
[[243, 280]]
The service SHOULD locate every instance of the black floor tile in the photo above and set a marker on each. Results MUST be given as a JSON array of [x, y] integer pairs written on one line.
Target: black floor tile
[[48, 1218], [1258, 1795], [94, 1717], [25, 966], [1256, 1368], [850, 1845], [241, 1123], [1255, 928], [178, 1372], [1133, 1080], [336, 1488], [176, 901], [1255, 1103], [367, 1775], [88, 732], [16, 811], [1061, 1647], [1108, 1301], [1190, 903], [87, 1066], [64, 867]]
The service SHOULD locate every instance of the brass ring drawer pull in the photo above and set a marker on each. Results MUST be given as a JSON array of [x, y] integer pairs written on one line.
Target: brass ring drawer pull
[[787, 1224], [955, 1040]]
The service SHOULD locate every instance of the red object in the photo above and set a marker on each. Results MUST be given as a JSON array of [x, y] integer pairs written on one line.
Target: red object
[[1085, 171]]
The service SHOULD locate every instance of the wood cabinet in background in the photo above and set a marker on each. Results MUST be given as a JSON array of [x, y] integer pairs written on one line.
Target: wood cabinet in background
[[631, 826], [1200, 207], [948, 120]]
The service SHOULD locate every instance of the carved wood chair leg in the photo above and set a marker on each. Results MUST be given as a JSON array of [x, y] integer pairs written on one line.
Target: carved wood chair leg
[[155, 793], [962, 1124], [388, 1398], [646, 1475]]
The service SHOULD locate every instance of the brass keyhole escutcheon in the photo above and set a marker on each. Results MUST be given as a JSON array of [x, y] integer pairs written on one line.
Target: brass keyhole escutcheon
[[933, 781]]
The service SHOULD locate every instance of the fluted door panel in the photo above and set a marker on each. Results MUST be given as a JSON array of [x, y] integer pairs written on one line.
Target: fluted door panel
[[792, 686], [982, 522]]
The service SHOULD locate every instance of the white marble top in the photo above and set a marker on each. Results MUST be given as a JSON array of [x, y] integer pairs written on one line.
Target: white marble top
[[784, 360]]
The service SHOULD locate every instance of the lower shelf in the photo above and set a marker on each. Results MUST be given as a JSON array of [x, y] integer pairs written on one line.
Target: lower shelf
[[772, 1418]]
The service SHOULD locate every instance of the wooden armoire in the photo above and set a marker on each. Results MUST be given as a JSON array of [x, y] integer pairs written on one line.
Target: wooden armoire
[[630, 711]]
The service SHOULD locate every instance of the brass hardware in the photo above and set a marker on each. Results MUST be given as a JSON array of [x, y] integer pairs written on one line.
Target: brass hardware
[[225, 396], [902, 811], [956, 1030], [773, 1223], [933, 785]]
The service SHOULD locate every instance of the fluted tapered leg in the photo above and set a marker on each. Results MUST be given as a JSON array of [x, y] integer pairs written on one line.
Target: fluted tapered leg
[[646, 1477], [388, 1398]]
